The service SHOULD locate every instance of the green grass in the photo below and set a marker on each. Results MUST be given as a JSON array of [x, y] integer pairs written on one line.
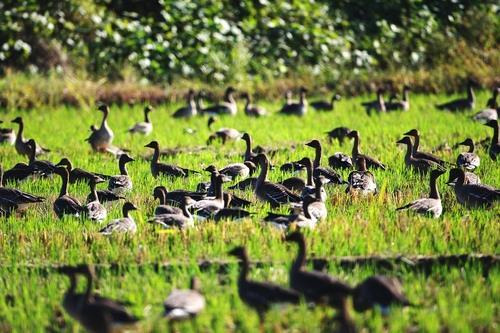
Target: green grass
[[451, 299]]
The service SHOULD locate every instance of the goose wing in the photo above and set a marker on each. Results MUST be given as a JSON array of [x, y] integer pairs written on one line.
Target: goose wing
[[372, 162], [277, 194]]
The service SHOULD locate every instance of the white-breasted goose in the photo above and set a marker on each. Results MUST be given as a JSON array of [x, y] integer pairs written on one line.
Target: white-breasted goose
[[338, 133], [420, 165], [190, 110], [174, 219], [228, 105], [468, 160], [494, 149], [21, 145], [296, 109], [326, 105], [316, 287], [370, 161], [101, 139], [94, 210], [253, 110], [491, 110], [12, 199], [260, 295], [378, 105], [378, 290], [310, 188], [275, 194], [329, 174], [361, 181], [317, 208], [182, 304], [461, 104], [66, 204], [340, 161], [122, 183], [163, 169], [144, 127], [123, 225], [430, 206], [420, 154], [159, 192], [7, 135], [79, 175], [210, 205], [300, 218], [400, 105], [473, 195]]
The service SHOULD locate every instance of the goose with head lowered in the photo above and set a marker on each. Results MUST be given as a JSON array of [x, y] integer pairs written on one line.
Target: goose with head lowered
[[101, 139], [238, 170], [7, 135], [261, 296], [330, 175], [430, 206], [123, 225], [378, 290], [378, 105], [12, 199], [420, 165], [77, 174], [223, 134], [361, 181], [494, 149], [491, 111], [302, 219], [420, 154], [174, 219], [190, 110], [122, 183], [326, 105], [66, 204], [473, 195], [461, 104], [338, 133], [182, 304], [94, 210], [228, 105], [253, 110], [400, 105], [21, 144], [468, 160], [144, 127], [163, 169], [296, 109], [371, 162]]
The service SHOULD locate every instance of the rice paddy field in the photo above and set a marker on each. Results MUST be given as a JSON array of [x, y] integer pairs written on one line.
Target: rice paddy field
[[143, 268]]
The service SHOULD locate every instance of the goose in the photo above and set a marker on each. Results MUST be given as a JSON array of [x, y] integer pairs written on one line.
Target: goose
[[275, 194], [187, 111], [294, 166], [430, 206], [310, 188], [370, 161], [316, 287], [302, 218], [461, 104], [66, 204], [159, 192], [361, 181], [178, 220], [210, 205], [295, 184], [126, 224], [297, 109], [238, 170], [327, 173], [144, 127], [223, 134], [403, 105], [199, 101], [122, 183], [249, 154], [21, 145], [7, 135], [39, 167], [324, 105], [378, 290], [470, 178], [12, 199], [260, 295], [94, 210], [185, 303], [253, 110], [495, 143], [340, 161], [163, 169], [100, 139], [473, 195], [468, 160], [317, 208], [176, 197], [104, 196], [420, 154], [245, 184], [228, 106], [95, 313], [79, 175], [339, 133], [288, 97], [418, 164], [491, 111], [377, 105], [230, 200]]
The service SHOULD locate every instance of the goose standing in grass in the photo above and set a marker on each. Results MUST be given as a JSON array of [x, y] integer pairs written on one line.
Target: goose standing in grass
[[301, 218], [275, 194], [185, 304], [468, 160], [402, 105], [144, 127], [379, 290], [22, 146], [7, 135], [370, 161], [495, 143], [66, 204], [296, 109], [260, 295], [338, 133], [316, 287], [228, 105], [470, 178], [325, 105], [94, 210], [163, 169], [310, 188], [317, 208], [361, 181], [39, 167], [461, 104], [224, 134], [377, 105], [122, 183], [491, 111], [340, 161], [190, 110], [160, 193], [420, 165], [100, 140], [176, 197], [12, 199], [77, 174], [238, 170], [430, 206], [329, 174], [174, 219], [473, 195], [420, 154], [249, 154], [253, 110], [123, 225]]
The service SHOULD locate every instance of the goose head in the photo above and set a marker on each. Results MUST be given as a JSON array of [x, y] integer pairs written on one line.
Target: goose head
[[239, 252], [412, 132], [314, 143], [295, 236], [211, 168], [405, 140], [361, 164], [492, 123], [153, 145], [148, 108], [125, 158], [158, 192], [210, 121], [251, 166], [103, 108], [245, 137], [64, 162], [454, 175], [467, 142], [230, 90], [127, 207], [18, 120], [353, 134], [435, 173]]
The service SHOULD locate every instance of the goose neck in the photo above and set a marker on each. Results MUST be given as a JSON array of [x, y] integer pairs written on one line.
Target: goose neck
[[317, 156], [64, 186], [355, 147], [434, 192], [300, 260], [263, 163], [122, 165]]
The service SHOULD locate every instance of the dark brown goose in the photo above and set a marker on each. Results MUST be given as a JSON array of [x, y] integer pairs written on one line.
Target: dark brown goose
[[461, 104], [18, 172], [420, 154], [402, 105], [176, 197], [491, 111], [340, 161], [21, 145], [66, 204], [473, 195], [12, 199], [104, 196], [160, 192], [228, 106], [330, 175], [430, 206], [293, 166], [231, 214], [253, 110], [94, 210], [296, 109], [7, 135], [326, 105], [249, 154], [316, 287], [39, 167], [185, 303], [175, 219], [470, 178], [361, 181], [378, 290], [418, 164], [468, 160], [79, 175], [245, 184], [123, 225], [275, 194], [495, 143], [144, 127], [187, 111], [370, 161], [122, 183], [295, 184], [101, 139], [260, 295], [338, 133], [163, 169], [377, 105]]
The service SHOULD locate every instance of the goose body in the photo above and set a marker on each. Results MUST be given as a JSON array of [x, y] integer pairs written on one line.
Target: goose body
[[224, 135], [17, 173], [340, 161], [184, 304], [39, 167], [420, 165], [104, 196], [123, 225], [361, 181], [468, 160], [302, 219], [338, 133], [416, 153], [400, 105], [380, 291], [228, 106], [473, 195], [163, 169], [238, 170], [460, 104], [79, 175], [377, 105], [94, 210], [188, 111], [253, 110], [249, 154], [370, 161], [12, 199], [173, 219], [122, 183], [21, 145], [101, 139], [7, 135], [296, 109], [245, 184], [231, 214], [159, 193], [325, 105], [144, 127], [66, 204]]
